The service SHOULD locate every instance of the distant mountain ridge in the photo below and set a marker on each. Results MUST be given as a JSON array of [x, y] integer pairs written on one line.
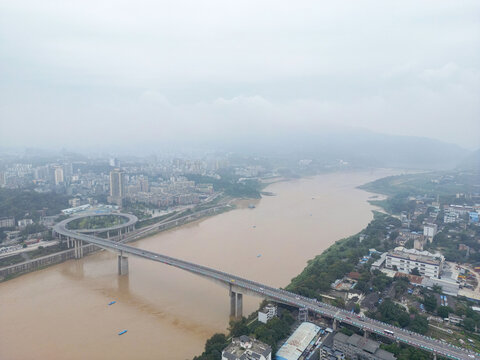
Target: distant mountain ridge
[[471, 162], [361, 148]]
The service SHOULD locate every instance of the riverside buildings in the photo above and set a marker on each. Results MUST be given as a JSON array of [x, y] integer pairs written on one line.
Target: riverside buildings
[[357, 347], [246, 348], [405, 260], [267, 313], [298, 342]]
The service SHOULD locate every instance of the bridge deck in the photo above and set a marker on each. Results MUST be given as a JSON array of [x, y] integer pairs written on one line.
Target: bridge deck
[[408, 337]]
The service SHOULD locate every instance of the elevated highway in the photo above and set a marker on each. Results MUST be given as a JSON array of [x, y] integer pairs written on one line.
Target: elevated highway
[[239, 285], [130, 222]]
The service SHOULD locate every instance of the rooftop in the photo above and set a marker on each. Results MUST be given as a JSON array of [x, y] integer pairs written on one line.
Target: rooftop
[[246, 348], [298, 341], [415, 255], [367, 345]]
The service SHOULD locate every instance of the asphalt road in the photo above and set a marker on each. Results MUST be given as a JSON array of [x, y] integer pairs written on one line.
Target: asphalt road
[[395, 333]]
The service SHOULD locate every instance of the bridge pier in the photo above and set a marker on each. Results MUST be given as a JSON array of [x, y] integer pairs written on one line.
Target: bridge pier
[[78, 248], [335, 324], [122, 264], [236, 305]]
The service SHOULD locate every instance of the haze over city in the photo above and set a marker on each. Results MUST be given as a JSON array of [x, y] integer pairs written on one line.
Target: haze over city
[[103, 73], [218, 180]]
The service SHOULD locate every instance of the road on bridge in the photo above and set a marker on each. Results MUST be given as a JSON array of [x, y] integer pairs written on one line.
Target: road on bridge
[[394, 333]]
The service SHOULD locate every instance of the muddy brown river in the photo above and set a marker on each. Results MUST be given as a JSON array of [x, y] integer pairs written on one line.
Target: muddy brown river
[[62, 312]]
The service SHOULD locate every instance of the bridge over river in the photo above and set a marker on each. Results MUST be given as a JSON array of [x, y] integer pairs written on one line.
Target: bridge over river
[[239, 286]]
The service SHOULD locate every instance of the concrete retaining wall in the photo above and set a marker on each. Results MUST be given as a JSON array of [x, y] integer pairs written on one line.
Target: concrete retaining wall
[[43, 261]]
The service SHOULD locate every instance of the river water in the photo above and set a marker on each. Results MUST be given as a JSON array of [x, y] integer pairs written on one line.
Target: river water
[[62, 312]]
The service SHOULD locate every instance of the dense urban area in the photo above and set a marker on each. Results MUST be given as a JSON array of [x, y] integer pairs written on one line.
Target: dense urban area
[[415, 266]]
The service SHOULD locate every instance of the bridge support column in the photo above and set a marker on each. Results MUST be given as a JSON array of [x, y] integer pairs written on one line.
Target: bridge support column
[[365, 333], [122, 265], [78, 248], [239, 308], [434, 356], [233, 303], [335, 324], [236, 305]]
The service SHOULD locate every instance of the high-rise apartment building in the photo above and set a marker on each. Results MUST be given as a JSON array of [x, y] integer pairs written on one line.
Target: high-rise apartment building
[[59, 178], [117, 186]]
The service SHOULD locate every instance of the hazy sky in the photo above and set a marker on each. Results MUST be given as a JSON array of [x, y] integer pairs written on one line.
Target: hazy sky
[[111, 71]]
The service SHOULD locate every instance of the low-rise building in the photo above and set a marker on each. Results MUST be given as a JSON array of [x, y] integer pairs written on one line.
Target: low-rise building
[[247, 348], [409, 235], [267, 313], [473, 217], [327, 352], [74, 210], [429, 231], [448, 285], [24, 223], [75, 202], [450, 217], [356, 347], [296, 344], [405, 260], [459, 209], [378, 264], [7, 222]]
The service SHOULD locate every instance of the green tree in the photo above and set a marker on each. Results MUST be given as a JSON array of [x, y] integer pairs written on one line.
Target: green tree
[[415, 271], [32, 229], [430, 302], [405, 352], [239, 327], [357, 309], [444, 311], [393, 313], [339, 302], [419, 324], [401, 286], [381, 281], [469, 324], [213, 348]]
